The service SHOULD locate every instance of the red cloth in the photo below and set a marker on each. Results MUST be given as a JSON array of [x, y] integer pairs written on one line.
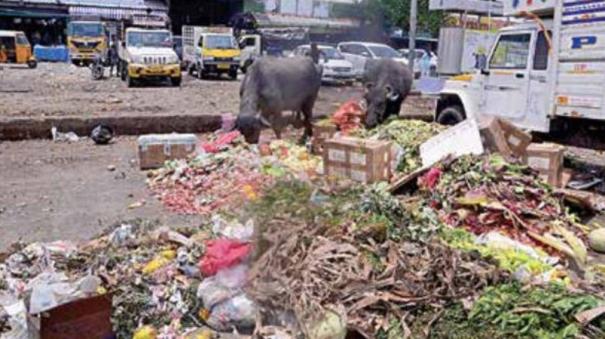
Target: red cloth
[[221, 254], [220, 142], [349, 116]]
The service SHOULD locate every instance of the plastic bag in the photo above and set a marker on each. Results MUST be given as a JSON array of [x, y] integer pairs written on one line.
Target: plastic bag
[[238, 312], [221, 254], [233, 229], [224, 285]]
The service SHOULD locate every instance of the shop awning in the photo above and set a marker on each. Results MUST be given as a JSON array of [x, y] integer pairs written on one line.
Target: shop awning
[[31, 13], [112, 13], [283, 20]]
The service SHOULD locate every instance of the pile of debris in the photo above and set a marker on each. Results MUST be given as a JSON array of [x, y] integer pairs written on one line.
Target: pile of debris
[[226, 175]]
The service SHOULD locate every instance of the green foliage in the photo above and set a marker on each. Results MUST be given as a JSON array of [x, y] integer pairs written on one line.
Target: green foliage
[[398, 14], [541, 312]]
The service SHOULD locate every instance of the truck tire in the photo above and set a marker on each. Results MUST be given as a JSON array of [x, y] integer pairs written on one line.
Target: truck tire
[[451, 115], [233, 75], [32, 64], [130, 82], [176, 82]]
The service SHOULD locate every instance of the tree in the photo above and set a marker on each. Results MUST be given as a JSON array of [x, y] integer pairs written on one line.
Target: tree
[[397, 13]]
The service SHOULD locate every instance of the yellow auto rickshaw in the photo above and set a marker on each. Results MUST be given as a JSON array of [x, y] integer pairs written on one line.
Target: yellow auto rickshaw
[[14, 48]]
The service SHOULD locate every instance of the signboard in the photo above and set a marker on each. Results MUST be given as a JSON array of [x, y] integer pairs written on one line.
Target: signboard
[[514, 7], [458, 140]]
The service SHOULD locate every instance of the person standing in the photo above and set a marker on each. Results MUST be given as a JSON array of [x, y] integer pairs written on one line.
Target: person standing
[[112, 56]]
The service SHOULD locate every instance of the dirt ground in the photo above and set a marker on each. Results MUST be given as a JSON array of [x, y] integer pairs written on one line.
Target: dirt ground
[[55, 191], [58, 89]]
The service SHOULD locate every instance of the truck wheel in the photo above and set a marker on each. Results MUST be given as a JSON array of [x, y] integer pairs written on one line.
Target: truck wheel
[[233, 74], [130, 82], [32, 64], [176, 82], [451, 115]]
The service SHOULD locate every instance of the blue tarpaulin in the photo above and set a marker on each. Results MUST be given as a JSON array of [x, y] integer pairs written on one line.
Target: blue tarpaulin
[[58, 53]]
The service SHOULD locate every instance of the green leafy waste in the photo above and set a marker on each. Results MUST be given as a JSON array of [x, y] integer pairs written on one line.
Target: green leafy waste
[[539, 312], [407, 134]]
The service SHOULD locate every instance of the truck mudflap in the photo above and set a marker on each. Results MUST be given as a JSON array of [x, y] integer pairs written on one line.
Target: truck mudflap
[[141, 71]]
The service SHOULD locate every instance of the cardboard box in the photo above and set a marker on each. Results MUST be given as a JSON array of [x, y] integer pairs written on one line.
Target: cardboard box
[[493, 137], [362, 160], [155, 149], [547, 159], [517, 139], [88, 317], [321, 133]]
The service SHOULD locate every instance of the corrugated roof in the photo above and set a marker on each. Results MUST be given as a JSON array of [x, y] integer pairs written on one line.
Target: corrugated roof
[[142, 4], [286, 20]]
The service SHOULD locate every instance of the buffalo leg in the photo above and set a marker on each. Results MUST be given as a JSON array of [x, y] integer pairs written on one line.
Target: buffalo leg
[[307, 110]]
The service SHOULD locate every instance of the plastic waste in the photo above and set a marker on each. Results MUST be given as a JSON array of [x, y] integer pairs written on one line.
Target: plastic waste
[[145, 332], [101, 134], [160, 260], [17, 317], [121, 235], [222, 286], [63, 137], [232, 229], [238, 312], [221, 254]]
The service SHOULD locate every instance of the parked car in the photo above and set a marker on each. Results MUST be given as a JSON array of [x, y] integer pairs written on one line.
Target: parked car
[[420, 53], [359, 52], [336, 69]]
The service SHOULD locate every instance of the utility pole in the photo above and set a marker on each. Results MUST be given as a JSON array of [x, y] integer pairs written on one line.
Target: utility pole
[[412, 34]]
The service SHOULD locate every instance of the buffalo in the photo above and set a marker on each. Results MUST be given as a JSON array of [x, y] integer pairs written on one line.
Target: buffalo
[[387, 84], [272, 86]]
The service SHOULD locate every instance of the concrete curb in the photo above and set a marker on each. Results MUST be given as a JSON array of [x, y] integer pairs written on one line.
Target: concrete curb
[[39, 128]]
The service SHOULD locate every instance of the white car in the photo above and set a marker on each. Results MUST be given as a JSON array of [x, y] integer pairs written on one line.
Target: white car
[[420, 53], [358, 54], [336, 69]]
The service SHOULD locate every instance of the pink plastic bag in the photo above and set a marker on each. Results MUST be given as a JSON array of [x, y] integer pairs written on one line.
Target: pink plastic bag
[[221, 254]]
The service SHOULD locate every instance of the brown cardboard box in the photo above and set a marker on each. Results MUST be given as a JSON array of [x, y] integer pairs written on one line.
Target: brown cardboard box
[[84, 318], [155, 149], [546, 159], [517, 139], [361, 160], [493, 137], [321, 133]]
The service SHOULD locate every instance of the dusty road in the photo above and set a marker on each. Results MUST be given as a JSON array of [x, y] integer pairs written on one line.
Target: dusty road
[[57, 89], [55, 191]]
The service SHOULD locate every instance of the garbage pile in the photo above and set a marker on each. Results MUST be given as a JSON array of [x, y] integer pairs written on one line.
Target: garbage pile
[[162, 282], [227, 173], [408, 135], [476, 247]]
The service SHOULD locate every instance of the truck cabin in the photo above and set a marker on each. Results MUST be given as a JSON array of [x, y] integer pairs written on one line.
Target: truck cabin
[[148, 38], [86, 29], [217, 41]]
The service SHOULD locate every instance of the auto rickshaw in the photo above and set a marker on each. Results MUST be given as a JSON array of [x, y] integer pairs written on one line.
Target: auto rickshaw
[[14, 48]]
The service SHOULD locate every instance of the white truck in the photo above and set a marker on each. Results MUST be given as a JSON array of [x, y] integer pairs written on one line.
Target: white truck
[[148, 54], [210, 50], [545, 74]]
